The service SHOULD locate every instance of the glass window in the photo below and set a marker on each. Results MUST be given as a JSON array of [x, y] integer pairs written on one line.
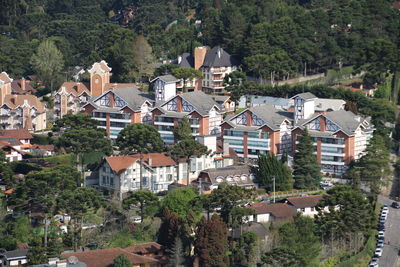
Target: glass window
[[256, 120], [186, 106], [119, 102], [172, 105]]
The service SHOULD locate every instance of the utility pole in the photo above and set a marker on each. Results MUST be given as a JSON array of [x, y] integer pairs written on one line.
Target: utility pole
[[273, 179]]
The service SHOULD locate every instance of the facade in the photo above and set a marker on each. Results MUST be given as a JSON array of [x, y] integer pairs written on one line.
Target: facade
[[203, 112], [121, 174], [22, 111], [18, 258], [70, 98], [307, 205], [164, 87], [117, 108], [264, 212]]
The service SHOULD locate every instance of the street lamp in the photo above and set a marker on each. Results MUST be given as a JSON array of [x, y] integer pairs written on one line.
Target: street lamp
[[273, 180]]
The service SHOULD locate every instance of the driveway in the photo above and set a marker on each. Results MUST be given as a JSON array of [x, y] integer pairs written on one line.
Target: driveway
[[390, 251]]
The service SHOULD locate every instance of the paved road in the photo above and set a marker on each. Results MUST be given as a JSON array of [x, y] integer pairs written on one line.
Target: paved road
[[390, 252]]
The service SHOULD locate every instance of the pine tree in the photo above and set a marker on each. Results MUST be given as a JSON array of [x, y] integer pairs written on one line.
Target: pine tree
[[211, 243], [169, 229], [183, 130], [306, 170], [176, 256], [269, 167]]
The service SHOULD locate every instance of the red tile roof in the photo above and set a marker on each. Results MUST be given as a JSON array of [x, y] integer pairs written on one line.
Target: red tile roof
[[278, 210], [145, 248], [105, 257], [120, 163], [74, 88], [18, 134], [305, 202], [396, 5], [13, 101], [16, 87], [44, 147]]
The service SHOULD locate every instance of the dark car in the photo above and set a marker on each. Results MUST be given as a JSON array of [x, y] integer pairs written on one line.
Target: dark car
[[395, 205]]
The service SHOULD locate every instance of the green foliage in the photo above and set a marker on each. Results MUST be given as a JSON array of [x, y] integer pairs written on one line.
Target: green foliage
[[211, 244], [145, 200], [306, 170], [183, 130], [270, 167], [122, 261], [281, 257], [122, 239], [74, 122], [6, 171], [246, 251], [47, 62], [139, 137], [79, 201], [143, 57], [180, 201], [37, 255], [186, 74], [176, 254], [41, 139]]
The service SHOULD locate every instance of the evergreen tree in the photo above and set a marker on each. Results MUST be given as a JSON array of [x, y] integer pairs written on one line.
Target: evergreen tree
[[306, 170], [176, 254], [270, 167], [183, 130], [122, 261], [169, 228], [211, 245]]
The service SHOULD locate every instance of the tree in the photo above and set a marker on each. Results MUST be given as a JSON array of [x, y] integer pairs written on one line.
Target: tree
[[37, 255], [47, 62], [180, 201], [211, 245], [246, 251], [6, 172], [122, 261], [281, 257], [186, 73], [143, 57], [186, 149], [306, 170], [142, 198], [269, 168], [74, 121], [169, 229], [140, 138], [233, 83], [176, 254], [183, 130]]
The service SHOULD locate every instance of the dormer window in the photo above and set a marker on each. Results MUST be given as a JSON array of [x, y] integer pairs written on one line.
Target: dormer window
[[105, 101], [172, 105], [119, 102], [330, 126], [186, 106], [241, 119], [256, 120]]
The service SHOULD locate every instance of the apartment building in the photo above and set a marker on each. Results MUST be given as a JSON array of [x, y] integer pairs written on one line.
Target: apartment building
[[339, 136], [203, 112], [23, 111], [119, 107], [164, 87], [70, 98], [122, 173]]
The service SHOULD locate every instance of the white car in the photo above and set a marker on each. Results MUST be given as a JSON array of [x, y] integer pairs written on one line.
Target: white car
[[378, 252], [381, 235], [374, 262], [385, 212]]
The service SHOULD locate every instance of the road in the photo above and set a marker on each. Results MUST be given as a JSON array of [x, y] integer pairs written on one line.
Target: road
[[390, 252]]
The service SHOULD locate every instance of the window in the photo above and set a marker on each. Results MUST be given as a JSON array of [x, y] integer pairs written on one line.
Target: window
[[119, 102], [186, 106], [241, 119], [256, 120], [330, 126], [315, 124], [199, 166], [105, 101], [172, 105]]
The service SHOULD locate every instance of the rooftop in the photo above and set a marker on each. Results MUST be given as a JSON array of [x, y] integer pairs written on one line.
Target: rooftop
[[218, 57], [304, 202], [278, 210]]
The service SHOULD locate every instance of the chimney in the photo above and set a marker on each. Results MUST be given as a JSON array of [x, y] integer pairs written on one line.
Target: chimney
[[219, 52], [199, 55], [150, 161], [179, 59], [23, 87]]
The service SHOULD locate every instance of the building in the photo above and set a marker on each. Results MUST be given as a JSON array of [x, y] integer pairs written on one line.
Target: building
[[15, 143], [121, 174], [248, 101], [225, 102], [18, 258], [22, 87], [70, 98], [339, 136], [306, 205], [203, 112], [216, 65], [119, 107], [264, 212], [240, 175], [164, 87], [22, 111]]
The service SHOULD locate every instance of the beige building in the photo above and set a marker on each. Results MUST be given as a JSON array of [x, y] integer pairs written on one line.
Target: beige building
[[70, 98]]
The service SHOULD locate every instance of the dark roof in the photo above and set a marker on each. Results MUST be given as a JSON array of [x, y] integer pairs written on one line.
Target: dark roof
[[201, 101], [185, 60], [16, 133], [277, 210], [254, 227], [234, 174], [145, 248], [305, 202], [18, 253], [218, 57], [306, 95], [167, 78]]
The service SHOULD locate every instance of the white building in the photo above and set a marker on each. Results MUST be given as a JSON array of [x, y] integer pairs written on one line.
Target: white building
[[164, 87]]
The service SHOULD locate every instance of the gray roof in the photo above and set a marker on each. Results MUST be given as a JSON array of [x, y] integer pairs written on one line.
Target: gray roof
[[233, 170], [325, 104], [254, 227], [255, 100], [18, 253], [218, 57], [305, 96], [167, 78], [272, 116], [187, 61], [201, 101]]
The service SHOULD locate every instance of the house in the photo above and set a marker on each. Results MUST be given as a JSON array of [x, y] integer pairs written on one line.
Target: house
[[122, 173], [21, 135], [264, 212], [15, 143], [70, 98], [18, 258], [164, 87], [257, 228], [203, 112], [306, 205], [225, 102], [105, 257], [22, 87], [42, 150], [248, 101], [240, 175], [12, 152], [150, 249], [116, 108]]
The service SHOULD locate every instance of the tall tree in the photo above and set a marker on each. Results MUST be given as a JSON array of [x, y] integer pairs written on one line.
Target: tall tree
[[74, 121], [176, 254], [139, 138], [170, 228], [6, 172], [186, 73], [234, 84], [180, 201], [143, 57], [144, 199], [306, 170], [211, 245], [183, 130], [47, 62], [186, 149], [122, 261], [269, 168]]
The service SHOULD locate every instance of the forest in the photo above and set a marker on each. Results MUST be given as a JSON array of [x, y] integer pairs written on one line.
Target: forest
[[274, 39]]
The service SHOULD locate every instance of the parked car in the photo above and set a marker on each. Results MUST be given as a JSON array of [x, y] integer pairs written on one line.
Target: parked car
[[378, 252], [381, 235], [137, 220], [380, 244], [374, 262], [395, 205]]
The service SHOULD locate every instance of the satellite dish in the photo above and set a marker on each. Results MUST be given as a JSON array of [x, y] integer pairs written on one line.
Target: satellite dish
[[72, 260]]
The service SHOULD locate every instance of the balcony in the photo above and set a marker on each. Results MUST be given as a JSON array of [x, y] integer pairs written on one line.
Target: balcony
[[218, 78], [219, 70], [5, 113]]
